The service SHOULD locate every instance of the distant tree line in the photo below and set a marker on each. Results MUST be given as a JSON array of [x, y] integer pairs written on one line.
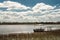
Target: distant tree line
[[29, 22]]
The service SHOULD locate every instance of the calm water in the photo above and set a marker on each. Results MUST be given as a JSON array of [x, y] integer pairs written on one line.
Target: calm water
[[6, 29]]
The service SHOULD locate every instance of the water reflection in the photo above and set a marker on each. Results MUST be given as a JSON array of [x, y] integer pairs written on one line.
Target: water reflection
[[24, 28]]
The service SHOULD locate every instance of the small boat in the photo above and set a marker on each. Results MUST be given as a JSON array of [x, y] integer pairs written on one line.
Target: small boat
[[42, 30], [38, 30]]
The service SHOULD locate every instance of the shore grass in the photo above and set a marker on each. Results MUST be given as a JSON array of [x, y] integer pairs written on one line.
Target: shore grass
[[32, 36]]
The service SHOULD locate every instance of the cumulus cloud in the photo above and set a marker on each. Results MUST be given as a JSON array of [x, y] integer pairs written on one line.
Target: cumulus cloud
[[41, 12], [13, 5], [42, 6]]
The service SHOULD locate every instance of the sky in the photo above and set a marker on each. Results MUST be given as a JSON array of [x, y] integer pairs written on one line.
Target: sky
[[33, 2], [29, 10]]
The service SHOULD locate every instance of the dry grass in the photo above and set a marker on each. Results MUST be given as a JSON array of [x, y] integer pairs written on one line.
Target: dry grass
[[32, 36]]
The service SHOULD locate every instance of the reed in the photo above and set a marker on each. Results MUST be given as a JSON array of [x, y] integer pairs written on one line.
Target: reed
[[32, 36]]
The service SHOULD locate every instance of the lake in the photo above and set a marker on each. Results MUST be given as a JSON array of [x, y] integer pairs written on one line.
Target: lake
[[25, 28]]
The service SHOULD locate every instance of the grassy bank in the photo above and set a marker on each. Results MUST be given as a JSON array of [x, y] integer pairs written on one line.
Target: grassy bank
[[32, 36]]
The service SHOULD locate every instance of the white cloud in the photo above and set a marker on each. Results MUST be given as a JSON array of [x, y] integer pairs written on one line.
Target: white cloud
[[13, 5], [42, 6], [40, 12]]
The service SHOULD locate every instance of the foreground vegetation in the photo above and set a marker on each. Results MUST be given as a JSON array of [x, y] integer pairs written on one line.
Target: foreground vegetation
[[32, 36]]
